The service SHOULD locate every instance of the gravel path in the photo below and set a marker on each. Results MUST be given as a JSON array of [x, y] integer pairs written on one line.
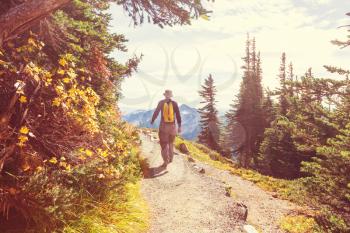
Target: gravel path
[[182, 200], [264, 211]]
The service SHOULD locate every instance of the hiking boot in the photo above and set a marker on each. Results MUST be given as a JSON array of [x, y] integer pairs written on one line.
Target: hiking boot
[[164, 165]]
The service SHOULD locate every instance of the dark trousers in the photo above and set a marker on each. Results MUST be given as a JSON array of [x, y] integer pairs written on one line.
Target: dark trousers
[[167, 134]]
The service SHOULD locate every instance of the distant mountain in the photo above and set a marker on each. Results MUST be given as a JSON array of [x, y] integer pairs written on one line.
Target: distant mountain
[[190, 120]]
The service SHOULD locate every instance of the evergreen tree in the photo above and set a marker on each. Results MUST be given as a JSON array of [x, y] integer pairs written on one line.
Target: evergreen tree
[[247, 110], [210, 131], [279, 156], [290, 80], [283, 105], [269, 110], [330, 181]]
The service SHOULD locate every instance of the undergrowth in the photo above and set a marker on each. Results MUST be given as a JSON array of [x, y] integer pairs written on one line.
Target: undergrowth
[[123, 211]]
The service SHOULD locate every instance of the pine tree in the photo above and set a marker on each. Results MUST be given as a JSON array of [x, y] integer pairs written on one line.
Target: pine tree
[[247, 112], [279, 156], [290, 80], [210, 131], [269, 110], [283, 105]]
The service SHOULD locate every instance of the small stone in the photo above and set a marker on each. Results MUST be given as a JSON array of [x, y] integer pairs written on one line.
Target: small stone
[[202, 171], [190, 159], [249, 229], [243, 210], [213, 156], [183, 149]]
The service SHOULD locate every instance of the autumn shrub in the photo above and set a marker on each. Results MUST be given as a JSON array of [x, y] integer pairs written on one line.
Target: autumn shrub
[[64, 148]]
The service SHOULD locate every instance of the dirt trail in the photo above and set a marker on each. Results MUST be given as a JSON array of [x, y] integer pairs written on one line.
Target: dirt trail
[[182, 200]]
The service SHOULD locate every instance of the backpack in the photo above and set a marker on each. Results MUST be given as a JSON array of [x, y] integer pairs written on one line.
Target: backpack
[[168, 112]]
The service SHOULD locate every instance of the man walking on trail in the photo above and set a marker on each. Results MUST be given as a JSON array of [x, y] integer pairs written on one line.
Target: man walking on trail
[[167, 128]]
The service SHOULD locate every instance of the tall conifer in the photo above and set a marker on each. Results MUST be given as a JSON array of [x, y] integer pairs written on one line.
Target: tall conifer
[[210, 131], [247, 109]]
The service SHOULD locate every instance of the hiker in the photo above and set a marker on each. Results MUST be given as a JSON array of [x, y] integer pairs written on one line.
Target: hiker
[[167, 128]]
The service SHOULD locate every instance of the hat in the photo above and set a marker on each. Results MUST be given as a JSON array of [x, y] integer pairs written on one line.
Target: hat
[[168, 93]]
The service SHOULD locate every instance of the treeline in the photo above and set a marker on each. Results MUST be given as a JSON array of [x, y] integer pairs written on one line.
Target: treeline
[[300, 131]]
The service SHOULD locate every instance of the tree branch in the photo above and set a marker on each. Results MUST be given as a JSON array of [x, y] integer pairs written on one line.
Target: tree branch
[[20, 18]]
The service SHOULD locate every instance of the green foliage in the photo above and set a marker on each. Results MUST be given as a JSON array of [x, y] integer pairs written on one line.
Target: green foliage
[[279, 156], [247, 110], [163, 12], [210, 131], [330, 179]]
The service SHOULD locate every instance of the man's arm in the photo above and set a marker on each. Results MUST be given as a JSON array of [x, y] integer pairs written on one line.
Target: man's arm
[[156, 112], [178, 115]]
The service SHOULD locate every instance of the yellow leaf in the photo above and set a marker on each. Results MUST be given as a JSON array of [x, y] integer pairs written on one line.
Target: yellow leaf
[[205, 17], [56, 102], [66, 80], [69, 56], [48, 81], [31, 41], [60, 71], [88, 152], [62, 62], [22, 138], [24, 130], [23, 99], [63, 164], [72, 74], [104, 154], [53, 160]]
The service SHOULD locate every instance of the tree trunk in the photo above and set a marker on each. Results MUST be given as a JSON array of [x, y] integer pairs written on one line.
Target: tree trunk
[[20, 18]]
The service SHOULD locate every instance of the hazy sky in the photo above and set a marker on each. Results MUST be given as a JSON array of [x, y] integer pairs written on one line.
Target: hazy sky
[[181, 57]]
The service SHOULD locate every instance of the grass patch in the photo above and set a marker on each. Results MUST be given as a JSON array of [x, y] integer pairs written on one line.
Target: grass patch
[[203, 154], [299, 224], [124, 211]]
